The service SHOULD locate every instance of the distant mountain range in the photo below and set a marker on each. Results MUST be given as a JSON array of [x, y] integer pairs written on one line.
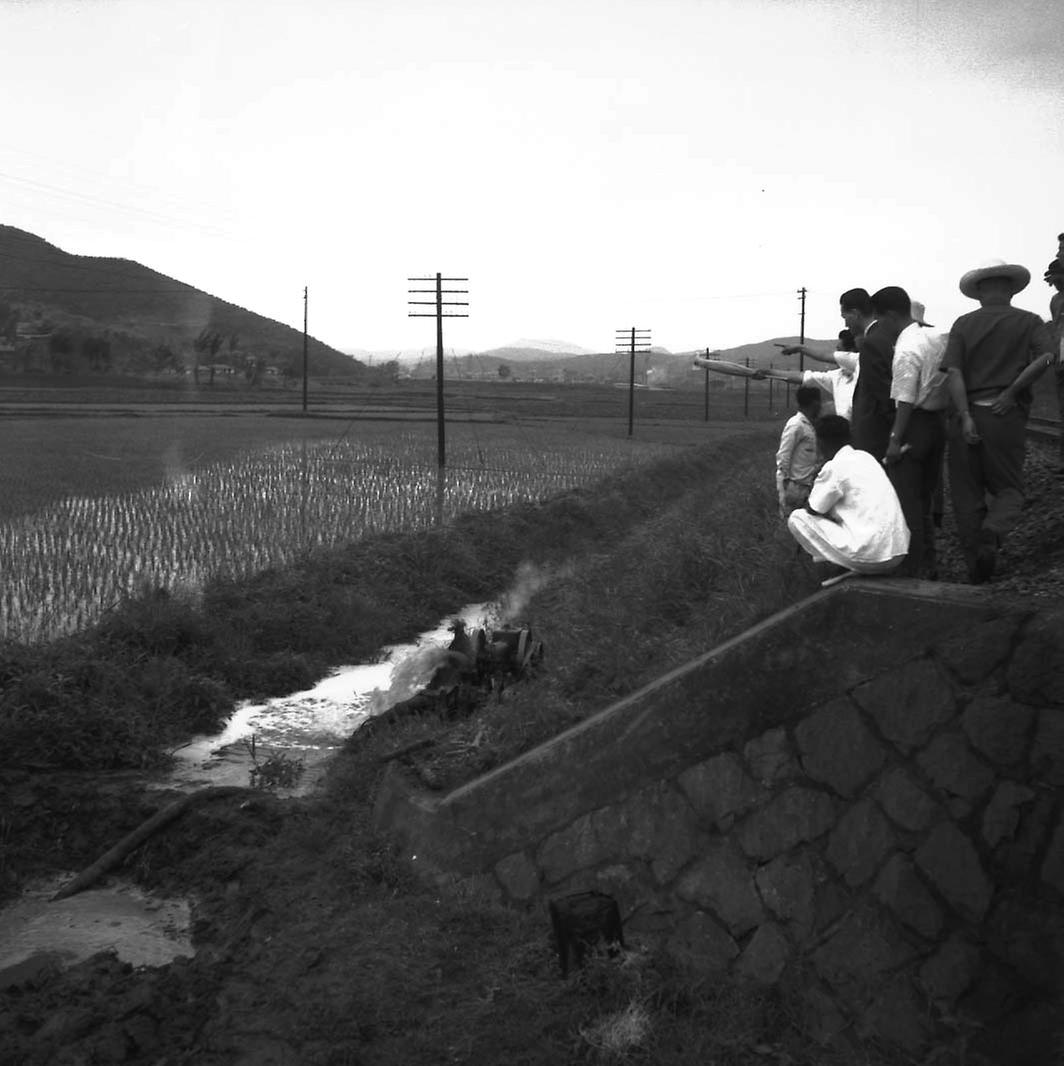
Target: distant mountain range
[[136, 306], [516, 351], [658, 368]]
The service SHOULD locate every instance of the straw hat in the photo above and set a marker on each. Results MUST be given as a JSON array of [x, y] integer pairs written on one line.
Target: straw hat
[[918, 311], [995, 268]]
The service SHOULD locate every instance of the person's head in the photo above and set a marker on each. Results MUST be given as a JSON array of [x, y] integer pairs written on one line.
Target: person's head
[[1054, 275], [1060, 247], [855, 306], [893, 306], [808, 399], [832, 433], [846, 341]]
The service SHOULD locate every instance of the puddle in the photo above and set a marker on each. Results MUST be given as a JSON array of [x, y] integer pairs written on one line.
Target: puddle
[[310, 726], [37, 935]]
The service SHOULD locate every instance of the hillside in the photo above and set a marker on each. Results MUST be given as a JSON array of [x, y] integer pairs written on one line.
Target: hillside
[[135, 305]]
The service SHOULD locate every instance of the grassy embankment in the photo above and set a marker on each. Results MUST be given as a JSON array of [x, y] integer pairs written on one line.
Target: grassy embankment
[[313, 934]]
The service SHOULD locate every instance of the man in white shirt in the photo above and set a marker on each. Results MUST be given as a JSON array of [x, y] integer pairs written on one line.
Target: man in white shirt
[[796, 459], [918, 435], [838, 383], [853, 518]]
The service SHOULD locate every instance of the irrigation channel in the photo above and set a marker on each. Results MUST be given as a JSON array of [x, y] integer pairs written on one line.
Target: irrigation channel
[[37, 934], [309, 726]]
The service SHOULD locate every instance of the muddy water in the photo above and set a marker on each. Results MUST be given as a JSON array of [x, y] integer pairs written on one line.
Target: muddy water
[[310, 726], [38, 935]]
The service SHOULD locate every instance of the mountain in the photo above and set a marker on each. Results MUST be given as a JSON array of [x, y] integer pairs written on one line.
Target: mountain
[[659, 367], [550, 347], [140, 309]]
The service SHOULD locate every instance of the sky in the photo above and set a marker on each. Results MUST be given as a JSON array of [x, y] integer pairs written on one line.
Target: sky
[[684, 166]]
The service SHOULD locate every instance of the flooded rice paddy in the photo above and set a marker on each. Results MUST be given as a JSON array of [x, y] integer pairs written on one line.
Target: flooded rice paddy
[[62, 565]]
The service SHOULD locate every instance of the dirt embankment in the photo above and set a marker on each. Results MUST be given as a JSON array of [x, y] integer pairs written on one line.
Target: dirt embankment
[[315, 944]]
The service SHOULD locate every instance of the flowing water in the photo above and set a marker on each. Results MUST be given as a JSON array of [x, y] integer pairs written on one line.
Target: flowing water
[[310, 726]]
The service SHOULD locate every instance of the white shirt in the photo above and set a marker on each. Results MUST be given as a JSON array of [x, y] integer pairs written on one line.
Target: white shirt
[[917, 375], [865, 523], [838, 383], [796, 458]]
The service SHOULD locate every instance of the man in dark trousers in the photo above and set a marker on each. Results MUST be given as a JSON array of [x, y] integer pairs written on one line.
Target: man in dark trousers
[[993, 355], [918, 435], [873, 411]]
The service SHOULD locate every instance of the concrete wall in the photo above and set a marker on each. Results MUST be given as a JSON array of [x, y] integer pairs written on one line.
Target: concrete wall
[[857, 799]]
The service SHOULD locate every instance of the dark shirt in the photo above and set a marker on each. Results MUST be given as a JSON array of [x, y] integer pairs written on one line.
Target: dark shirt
[[991, 346], [873, 409]]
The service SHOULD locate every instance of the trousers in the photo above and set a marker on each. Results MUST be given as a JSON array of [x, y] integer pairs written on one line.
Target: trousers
[[915, 477], [986, 479]]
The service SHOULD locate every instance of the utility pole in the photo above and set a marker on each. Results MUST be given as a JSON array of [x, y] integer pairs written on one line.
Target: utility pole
[[801, 329], [632, 340], [304, 349], [770, 391], [746, 392], [439, 314], [707, 387]]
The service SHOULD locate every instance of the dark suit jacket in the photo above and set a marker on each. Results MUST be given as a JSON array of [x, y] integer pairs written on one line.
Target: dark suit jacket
[[873, 409]]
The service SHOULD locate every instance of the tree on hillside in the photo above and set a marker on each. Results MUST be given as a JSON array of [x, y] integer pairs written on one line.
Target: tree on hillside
[[207, 343], [60, 349], [9, 316], [165, 360], [96, 351], [504, 371]]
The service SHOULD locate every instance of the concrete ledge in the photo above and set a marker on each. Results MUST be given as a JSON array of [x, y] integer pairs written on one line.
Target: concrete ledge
[[766, 676]]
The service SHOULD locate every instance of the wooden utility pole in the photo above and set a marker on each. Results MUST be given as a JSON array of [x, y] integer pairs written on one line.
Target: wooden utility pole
[[304, 349], [439, 314], [632, 340], [801, 330], [707, 387]]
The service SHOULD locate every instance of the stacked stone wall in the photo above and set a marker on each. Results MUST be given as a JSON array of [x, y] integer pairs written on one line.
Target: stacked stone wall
[[893, 855]]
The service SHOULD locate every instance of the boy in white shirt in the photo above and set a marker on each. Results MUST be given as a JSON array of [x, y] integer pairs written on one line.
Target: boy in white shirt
[[796, 459], [853, 518]]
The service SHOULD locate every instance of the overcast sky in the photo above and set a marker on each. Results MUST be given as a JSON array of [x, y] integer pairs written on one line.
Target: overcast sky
[[683, 165]]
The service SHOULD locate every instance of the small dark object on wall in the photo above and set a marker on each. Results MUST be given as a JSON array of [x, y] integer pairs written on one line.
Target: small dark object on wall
[[582, 921]]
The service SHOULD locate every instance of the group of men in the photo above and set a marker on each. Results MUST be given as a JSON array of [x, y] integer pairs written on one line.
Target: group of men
[[862, 488]]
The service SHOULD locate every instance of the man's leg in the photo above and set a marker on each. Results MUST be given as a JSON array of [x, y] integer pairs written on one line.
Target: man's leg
[[1003, 451], [964, 462], [931, 489], [907, 475], [1059, 371]]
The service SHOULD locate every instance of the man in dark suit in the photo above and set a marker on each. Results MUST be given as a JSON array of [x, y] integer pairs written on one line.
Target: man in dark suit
[[873, 409]]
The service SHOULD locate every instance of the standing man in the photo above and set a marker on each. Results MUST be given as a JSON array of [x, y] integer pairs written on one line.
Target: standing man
[[1055, 276], [838, 383], [873, 411], [992, 356], [917, 441]]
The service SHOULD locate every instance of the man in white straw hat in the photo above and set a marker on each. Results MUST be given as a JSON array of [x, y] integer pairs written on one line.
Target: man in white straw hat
[[992, 356]]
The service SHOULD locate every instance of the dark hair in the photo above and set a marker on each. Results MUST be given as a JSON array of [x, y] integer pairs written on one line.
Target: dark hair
[[833, 430], [807, 395], [856, 300], [892, 298], [846, 341]]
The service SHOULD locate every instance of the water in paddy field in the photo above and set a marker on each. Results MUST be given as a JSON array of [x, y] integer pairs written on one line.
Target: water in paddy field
[[310, 726]]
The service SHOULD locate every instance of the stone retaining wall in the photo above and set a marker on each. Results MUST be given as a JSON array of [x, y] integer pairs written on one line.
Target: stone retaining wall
[[865, 808]]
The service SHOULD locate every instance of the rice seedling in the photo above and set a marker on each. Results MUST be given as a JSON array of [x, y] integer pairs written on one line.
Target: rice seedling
[[64, 564]]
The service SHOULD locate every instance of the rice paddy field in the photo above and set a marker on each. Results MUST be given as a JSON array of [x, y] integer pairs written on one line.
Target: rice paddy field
[[95, 508]]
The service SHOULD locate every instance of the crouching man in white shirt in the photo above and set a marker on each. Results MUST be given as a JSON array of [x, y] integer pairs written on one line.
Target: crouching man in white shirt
[[853, 518]]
